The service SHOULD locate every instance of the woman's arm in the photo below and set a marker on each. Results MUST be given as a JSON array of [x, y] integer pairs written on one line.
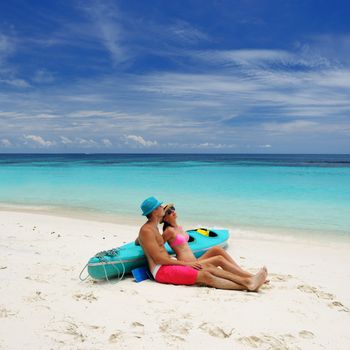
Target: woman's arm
[[169, 234]]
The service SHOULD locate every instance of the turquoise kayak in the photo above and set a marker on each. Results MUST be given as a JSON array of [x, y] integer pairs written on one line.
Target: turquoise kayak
[[116, 262]]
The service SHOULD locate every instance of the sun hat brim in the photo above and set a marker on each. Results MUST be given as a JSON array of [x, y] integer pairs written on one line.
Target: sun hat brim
[[167, 206], [152, 208]]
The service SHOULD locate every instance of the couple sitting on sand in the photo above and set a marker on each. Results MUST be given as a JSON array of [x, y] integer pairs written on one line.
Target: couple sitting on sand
[[215, 268]]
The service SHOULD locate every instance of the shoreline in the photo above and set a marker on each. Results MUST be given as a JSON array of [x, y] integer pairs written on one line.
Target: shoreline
[[41, 257], [265, 233]]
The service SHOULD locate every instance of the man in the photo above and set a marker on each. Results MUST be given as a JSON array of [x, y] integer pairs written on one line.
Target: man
[[167, 270]]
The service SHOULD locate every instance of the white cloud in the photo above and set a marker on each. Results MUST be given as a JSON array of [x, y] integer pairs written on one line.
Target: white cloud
[[211, 145], [308, 127], [7, 72], [253, 58], [96, 113], [65, 140], [141, 141], [185, 32], [190, 84], [334, 78], [291, 127], [83, 142], [6, 46], [5, 143], [204, 145], [333, 46], [264, 146], [83, 98], [107, 142], [86, 142], [246, 56], [207, 145], [20, 83], [282, 93], [43, 76], [225, 100], [105, 16], [38, 140]]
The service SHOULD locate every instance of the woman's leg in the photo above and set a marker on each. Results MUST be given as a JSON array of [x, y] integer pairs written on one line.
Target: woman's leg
[[230, 264], [225, 265], [251, 283], [205, 278], [217, 278]]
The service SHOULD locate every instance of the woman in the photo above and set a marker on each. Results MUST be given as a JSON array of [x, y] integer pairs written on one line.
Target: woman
[[215, 257]]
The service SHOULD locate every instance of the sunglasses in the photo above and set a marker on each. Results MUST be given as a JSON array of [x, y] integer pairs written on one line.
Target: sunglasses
[[170, 210]]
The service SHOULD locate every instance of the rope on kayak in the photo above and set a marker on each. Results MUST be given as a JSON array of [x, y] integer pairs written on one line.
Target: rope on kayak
[[85, 278], [113, 253]]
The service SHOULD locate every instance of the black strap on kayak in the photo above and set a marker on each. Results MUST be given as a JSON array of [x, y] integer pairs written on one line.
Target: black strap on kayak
[[210, 232]]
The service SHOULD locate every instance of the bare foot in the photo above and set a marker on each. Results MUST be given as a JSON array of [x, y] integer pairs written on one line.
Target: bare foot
[[267, 281], [257, 280]]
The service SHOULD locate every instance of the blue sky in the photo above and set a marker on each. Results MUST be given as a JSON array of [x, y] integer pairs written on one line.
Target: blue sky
[[244, 76]]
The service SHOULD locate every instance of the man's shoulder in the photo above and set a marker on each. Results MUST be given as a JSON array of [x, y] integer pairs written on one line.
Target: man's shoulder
[[147, 230]]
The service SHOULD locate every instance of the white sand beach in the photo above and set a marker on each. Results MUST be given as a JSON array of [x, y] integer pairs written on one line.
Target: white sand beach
[[44, 305]]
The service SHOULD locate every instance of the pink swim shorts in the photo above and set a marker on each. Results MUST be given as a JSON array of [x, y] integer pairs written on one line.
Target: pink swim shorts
[[176, 274]]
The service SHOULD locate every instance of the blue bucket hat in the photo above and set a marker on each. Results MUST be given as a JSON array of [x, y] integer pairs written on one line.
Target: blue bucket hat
[[150, 204]]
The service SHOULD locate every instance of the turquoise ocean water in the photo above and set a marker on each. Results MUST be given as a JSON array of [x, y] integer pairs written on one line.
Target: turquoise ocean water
[[270, 193]]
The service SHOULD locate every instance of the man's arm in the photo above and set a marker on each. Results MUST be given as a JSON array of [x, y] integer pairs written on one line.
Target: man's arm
[[151, 248]]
